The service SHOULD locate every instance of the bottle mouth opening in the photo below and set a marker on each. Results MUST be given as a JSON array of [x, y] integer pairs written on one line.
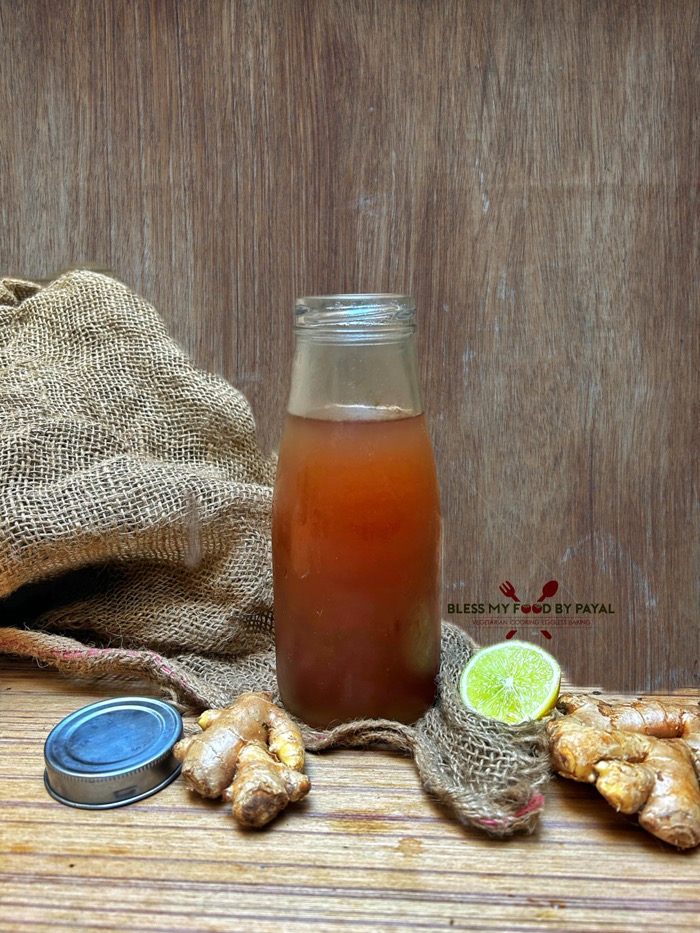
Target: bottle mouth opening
[[355, 314]]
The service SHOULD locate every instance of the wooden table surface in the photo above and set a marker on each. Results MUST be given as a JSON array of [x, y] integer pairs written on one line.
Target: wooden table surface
[[367, 850]]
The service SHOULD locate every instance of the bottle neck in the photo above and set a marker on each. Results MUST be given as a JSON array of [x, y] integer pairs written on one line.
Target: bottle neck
[[355, 359], [349, 380]]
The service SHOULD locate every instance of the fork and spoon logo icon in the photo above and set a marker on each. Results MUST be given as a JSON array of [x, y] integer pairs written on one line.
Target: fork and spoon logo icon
[[548, 590]]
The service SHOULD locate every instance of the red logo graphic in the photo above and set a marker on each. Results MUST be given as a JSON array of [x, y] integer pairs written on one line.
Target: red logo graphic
[[548, 590]]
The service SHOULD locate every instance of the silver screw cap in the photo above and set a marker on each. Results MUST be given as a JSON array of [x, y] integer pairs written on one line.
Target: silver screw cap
[[112, 753]]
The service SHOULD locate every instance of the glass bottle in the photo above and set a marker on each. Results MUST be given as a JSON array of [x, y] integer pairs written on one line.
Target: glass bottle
[[356, 527]]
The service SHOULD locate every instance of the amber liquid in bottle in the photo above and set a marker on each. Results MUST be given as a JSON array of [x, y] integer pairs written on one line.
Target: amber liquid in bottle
[[356, 564]]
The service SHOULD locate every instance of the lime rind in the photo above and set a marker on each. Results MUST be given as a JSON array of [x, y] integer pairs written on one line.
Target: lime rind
[[511, 681]]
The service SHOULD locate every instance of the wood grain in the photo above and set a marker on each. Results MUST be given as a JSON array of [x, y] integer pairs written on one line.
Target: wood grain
[[366, 851], [528, 170]]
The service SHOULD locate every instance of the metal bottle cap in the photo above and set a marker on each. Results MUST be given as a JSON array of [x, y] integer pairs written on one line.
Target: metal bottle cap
[[112, 753]]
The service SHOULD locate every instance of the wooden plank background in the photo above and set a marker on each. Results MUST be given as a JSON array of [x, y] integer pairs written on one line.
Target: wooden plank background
[[528, 170]]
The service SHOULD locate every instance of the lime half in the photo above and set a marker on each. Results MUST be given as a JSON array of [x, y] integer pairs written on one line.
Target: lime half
[[512, 681]]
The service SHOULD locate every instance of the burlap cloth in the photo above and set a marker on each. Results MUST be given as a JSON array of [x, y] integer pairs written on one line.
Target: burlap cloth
[[135, 538]]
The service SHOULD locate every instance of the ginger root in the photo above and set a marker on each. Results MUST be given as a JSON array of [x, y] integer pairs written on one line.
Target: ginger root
[[643, 757], [250, 754]]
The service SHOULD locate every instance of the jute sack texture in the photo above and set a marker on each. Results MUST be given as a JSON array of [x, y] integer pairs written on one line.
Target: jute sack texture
[[135, 538]]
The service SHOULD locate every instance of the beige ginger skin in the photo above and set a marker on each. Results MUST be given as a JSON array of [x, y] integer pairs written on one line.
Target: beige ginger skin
[[643, 757], [250, 754]]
